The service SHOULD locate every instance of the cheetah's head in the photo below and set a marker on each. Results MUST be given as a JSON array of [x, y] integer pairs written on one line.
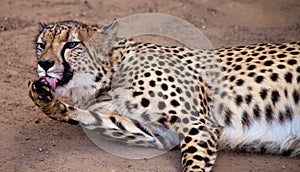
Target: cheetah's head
[[71, 55]]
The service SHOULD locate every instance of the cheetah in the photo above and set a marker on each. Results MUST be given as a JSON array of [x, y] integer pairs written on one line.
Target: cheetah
[[239, 98]]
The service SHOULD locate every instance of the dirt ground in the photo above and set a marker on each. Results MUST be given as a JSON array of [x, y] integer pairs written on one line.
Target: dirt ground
[[29, 141]]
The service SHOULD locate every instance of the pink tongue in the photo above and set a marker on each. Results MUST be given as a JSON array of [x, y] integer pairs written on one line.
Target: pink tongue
[[51, 81]]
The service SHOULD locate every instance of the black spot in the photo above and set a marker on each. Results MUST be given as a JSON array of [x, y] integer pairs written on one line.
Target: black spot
[[272, 52], [171, 79], [251, 74], [288, 113], [174, 103], [158, 73], [145, 102], [256, 111], [175, 51], [268, 63], [238, 67], [281, 55], [164, 87], [193, 131], [290, 49], [190, 150], [173, 94], [295, 52], [187, 139], [185, 120], [195, 167], [141, 82], [280, 66], [292, 62], [251, 67], [178, 90], [209, 152], [239, 82], [152, 83], [274, 77], [187, 106], [174, 119], [244, 52], [161, 105], [262, 57], [296, 96], [288, 77], [203, 144], [259, 79], [281, 117], [238, 100], [117, 134], [260, 49], [282, 47], [249, 59], [113, 119], [198, 157], [136, 93], [286, 93], [275, 96], [228, 114], [232, 78], [269, 113], [230, 59], [150, 58], [118, 124], [245, 119], [147, 74], [151, 93], [98, 77], [239, 59], [263, 93], [188, 162], [248, 99], [162, 120], [229, 54]]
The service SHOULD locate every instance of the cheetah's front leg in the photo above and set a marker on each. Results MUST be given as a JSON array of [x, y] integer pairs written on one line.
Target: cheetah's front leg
[[41, 94], [110, 125]]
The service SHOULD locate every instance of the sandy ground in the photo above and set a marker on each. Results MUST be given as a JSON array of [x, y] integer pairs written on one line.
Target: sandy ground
[[29, 141]]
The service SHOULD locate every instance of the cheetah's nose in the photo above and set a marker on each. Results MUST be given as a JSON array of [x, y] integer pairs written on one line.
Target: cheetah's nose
[[46, 64]]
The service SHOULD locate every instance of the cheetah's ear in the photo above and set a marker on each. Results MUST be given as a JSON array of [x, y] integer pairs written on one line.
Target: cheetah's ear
[[111, 28], [103, 40], [110, 34], [42, 26]]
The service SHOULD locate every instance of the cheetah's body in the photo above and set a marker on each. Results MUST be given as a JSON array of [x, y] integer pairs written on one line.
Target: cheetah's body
[[254, 90], [250, 94]]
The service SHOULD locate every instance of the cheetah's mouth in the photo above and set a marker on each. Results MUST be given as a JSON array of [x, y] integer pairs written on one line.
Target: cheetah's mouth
[[55, 82], [52, 81]]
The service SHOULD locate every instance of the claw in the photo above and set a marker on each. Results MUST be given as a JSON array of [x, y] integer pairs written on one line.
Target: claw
[[34, 87], [29, 83]]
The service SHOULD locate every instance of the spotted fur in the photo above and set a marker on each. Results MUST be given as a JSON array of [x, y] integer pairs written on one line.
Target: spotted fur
[[240, 98]]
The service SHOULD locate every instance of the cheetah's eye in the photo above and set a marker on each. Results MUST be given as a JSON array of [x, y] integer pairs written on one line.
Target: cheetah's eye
[[40, 45], [71, 45]]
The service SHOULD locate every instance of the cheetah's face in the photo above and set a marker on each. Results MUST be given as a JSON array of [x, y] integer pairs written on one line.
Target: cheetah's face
[[65, 57]]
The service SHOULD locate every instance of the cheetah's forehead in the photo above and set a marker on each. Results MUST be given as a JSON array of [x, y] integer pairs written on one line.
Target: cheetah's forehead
[[67, 31]]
